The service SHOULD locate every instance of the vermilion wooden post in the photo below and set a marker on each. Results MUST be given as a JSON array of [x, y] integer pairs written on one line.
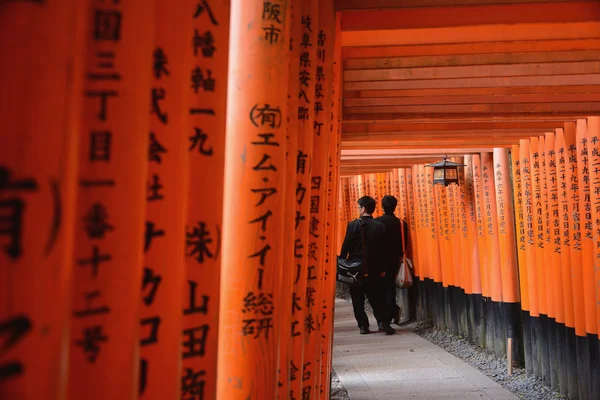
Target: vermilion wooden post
[[423, 240], [526, 165], [333, 200], [593, 140], [402, 209], [507, 246], [573, 191], [324, 44], [288, 341], [553, 232], [394, 183], [254, 170], [40, 113], [472, 229], [304, 164], [572, 198], [413, 240], [479, 212], [585, 221], [163, 280], [565, 254], [113, 188], [520, 228], [491, 226], [434, 226], [206, 109], [494, 318], [443, 225], [521, 238]]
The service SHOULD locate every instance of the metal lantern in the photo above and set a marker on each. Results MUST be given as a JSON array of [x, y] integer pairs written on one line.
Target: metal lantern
[[445, 172]]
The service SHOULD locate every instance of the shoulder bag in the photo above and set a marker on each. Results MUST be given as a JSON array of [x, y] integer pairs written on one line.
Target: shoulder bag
[[353, 272], [404, 278]]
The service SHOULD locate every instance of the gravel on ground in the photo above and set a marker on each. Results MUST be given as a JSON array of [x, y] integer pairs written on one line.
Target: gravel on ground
[[338, 392], [521, 385]]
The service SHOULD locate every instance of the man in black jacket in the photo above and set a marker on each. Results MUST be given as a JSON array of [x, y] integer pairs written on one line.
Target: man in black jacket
[[370, 253], [392, 254]]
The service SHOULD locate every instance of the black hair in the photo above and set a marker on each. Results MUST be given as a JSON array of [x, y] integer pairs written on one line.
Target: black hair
[[389, 203], [368, 203]]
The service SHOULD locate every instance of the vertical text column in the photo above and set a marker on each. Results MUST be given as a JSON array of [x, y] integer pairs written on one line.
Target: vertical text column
[[164, 263], [40, 113], [109, 225], [255, 171]]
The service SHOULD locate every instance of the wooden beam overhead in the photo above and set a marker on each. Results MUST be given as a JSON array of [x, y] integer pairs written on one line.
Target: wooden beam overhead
[[472, 71], [557, 80], [348, 128], [473, 34], [469, 47], [412, 153], [488, 91], [412, 18], [438, 135], [491, 109], [343, 5], [471, 59], [430, 117], [481, 99]]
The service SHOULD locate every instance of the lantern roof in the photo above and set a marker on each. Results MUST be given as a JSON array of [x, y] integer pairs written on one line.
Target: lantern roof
[[445, 163]]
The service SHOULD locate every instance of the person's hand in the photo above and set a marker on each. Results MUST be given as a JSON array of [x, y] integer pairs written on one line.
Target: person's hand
[[382, 273]]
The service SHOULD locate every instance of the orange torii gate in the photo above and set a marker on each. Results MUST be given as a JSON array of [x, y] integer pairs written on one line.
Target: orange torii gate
[[175, 180]]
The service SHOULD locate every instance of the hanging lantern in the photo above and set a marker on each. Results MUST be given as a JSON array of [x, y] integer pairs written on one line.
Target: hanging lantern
[[445, 172]]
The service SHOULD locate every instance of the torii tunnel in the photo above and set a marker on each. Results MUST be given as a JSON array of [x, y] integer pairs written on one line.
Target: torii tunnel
[[176, 177]]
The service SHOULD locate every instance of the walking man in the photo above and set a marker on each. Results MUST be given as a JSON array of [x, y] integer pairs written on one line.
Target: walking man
[[391, 256], [370, 252]]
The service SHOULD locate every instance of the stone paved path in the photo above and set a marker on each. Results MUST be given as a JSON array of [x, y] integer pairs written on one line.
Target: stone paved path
[[402, 366]]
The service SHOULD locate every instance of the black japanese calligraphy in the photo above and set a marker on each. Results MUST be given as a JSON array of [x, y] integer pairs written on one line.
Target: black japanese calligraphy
[[149, 330], [197, 241], [104, 95], [194, 307], [199, 140], [155, 188], [93, 337], [192, 384], [155, 150], [100, 145], [150, 281], [13, 330], [150, 234], [95, 260], [202, 79], [159, 94], [204, 6], [107, 25], [89, 310], [160, 63], [204, 42], [194, 343]]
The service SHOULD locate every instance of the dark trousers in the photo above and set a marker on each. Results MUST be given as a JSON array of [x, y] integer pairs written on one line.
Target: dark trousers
[[389, 300], [373, 291]]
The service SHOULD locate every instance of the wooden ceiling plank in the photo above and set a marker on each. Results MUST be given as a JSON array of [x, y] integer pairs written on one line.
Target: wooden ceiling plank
[[423, 117], [481, 99], [470, 59], [343, 5], [557, 80], [486, 91], [484, 33], [449, 126], [409, 152], [469, 47], [468, 15], [473, 71]]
